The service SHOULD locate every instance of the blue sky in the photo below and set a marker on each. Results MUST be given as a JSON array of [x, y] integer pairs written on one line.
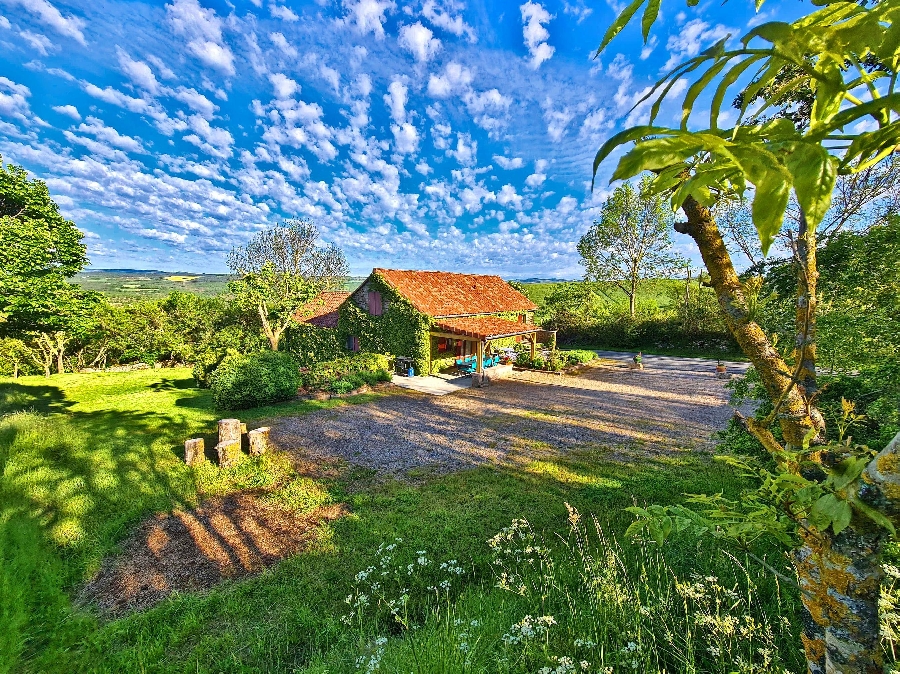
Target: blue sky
[[437, 134]]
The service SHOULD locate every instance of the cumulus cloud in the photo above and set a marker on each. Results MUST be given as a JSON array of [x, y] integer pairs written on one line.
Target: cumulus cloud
[[537, 178], [195, 101], [110, 136], [282, 12], [14, 100], [137, 71], [281, 43], [419, 41], [690, 39], [212, 140], [455, 78], [68, 111], [557, 120], [508, 197], [440, 17], [406, 138], [202, 28], [466, 149], [368, 15], [509, 163], [50, 16], [283, 85], [396, 99], [578, 10], [40, 43], [534, 16]]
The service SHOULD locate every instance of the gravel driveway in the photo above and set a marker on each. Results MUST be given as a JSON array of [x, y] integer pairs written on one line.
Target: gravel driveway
[[651, 412]]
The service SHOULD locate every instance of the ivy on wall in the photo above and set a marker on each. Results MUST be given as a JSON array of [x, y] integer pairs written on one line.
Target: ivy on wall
[[310, 344], [401, 330]]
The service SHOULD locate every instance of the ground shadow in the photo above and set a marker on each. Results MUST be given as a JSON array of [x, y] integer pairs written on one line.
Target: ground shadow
[[45, 398]]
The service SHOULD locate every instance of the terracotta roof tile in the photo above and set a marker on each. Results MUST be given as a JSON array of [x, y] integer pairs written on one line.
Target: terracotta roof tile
[[484, 327], [440, 293], [322, 311]]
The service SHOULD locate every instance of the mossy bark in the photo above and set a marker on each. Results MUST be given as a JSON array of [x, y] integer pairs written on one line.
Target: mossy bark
[[840, 575]]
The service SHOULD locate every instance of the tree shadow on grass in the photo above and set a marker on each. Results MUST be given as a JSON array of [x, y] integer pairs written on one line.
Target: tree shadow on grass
[[45, 399]]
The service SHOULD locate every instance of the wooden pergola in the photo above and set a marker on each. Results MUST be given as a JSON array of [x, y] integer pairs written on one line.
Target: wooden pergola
[[482, 330]]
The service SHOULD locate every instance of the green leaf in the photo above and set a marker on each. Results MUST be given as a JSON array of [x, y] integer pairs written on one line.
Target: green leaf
[[649, 17], [730, 78], [621, 138], [619, 24], [875, 515], [814, 172], [696, 89], [829, 510], [847, 471], [773, 185]]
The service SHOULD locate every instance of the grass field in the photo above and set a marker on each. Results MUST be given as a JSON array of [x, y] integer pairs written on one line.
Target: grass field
[[658, 291], [86, 457], [125, 286]]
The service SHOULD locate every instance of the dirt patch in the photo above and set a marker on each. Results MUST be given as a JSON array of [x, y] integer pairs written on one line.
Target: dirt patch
[[187, 551]]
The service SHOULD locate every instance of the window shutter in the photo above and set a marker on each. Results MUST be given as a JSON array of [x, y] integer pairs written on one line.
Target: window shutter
[[375, 303]]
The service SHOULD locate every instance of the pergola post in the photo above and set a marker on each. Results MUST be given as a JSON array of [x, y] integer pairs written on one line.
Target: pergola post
[[533, 345], [479, 357]]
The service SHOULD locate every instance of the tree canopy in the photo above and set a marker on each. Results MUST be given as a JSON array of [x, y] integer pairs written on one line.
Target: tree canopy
[[631, 241], [283, 269], [39, 250]]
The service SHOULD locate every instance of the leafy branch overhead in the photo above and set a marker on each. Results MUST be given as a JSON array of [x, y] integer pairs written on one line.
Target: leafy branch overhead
[[846, 52]]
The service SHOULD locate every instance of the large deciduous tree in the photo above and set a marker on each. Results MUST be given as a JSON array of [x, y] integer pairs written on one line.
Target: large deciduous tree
[[39, 250], [631, 241], [281, 270], [842, 501]]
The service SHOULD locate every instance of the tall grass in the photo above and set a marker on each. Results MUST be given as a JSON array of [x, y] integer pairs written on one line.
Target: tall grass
[[575, 603]]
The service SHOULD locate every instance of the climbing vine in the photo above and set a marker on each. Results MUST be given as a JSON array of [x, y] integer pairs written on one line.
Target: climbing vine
[[401, 330]]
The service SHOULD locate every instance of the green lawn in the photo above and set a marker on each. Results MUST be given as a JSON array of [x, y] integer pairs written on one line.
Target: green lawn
[[84, 458]]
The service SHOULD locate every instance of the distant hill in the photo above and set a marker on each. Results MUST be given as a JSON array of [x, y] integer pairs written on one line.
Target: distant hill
[[123, 285]]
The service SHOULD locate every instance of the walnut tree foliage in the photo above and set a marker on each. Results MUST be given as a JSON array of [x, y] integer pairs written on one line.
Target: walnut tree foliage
[[832, 51]]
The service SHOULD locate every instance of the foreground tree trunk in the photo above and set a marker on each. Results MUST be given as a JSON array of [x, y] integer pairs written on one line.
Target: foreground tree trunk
[[840, 576]]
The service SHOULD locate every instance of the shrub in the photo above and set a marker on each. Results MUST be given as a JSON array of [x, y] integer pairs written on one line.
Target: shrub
[[372, 366], [240, 382], [579, 356]]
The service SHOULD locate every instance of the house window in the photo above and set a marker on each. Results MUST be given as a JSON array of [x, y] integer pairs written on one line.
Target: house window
[[442, 345], [523, 318], [352, 343], [375, 305]]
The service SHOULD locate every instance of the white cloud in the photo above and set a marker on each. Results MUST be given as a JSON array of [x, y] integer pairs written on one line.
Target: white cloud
[[137, 71], [13, 100], [280, 41], [283, 85], [202, 29], [508, 197], [195, 101], [578, 10], [40, 43], [509, 163], [68, 111], [593, 123], [423, 168], [466, 149], [282, 12], [213, 140], [164, 71], [537, 178], [368, 15], [648, 48], [4, 23], [452, 24], [48, 15], [534, 16], [110, 136], [454, 79], [406, 138], [690, 39], [396, 99], [419, 41], [557, 120]]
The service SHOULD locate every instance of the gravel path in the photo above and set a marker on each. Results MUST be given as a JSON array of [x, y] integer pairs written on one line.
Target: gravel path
[[532, 415]]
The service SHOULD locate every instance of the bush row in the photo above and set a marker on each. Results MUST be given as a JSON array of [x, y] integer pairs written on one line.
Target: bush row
[[555, 360], [261, 378], [359, 369]]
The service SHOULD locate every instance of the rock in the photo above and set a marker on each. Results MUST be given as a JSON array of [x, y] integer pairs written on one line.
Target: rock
[[259, 441], [194, 451]]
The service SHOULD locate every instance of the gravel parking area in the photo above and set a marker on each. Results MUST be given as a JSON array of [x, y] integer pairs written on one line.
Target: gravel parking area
[[532, 415]]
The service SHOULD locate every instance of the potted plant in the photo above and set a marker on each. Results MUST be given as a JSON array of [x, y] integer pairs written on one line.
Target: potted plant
[[720, 367]]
